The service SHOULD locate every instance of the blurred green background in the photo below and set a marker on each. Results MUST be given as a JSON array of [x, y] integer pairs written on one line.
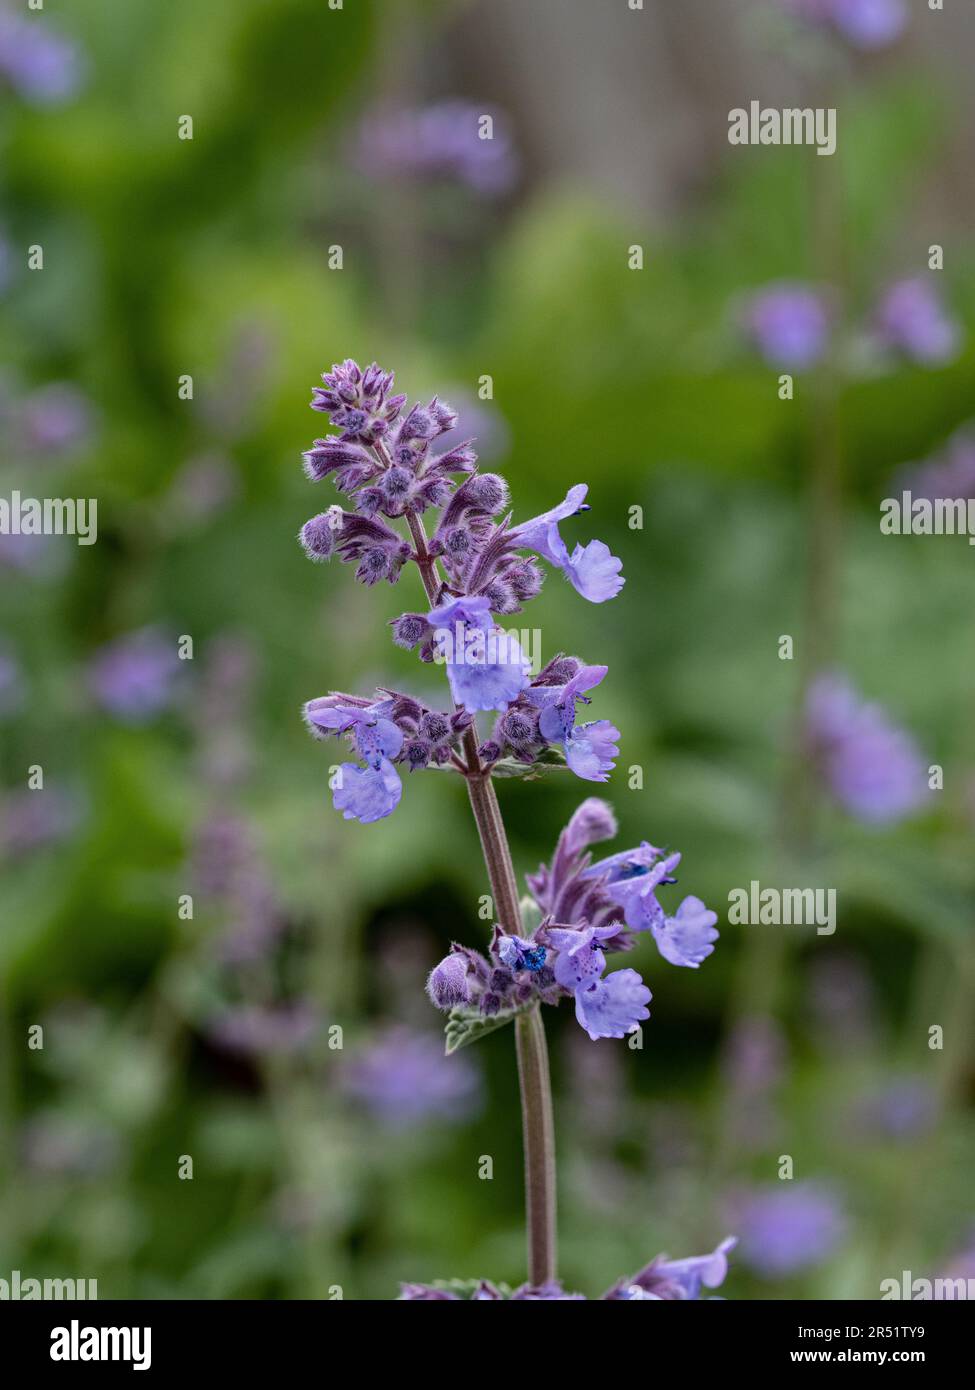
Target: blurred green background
[[317, 1167]]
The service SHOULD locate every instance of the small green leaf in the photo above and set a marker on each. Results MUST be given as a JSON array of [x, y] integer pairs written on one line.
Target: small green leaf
[[464, 1026], [548, 760]]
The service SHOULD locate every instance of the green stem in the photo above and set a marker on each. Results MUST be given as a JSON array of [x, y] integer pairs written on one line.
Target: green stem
[[538, 1126]]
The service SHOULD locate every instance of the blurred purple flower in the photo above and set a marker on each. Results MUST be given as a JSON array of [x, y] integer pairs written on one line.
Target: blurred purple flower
[[903, 1108], [41, 65], [33, 820], [55, 419], [788, 1228], [441, 142], [949, 474], [255, 1030], [478, 421], [133, 677], [912, 320], [788, 323], [873, 767], [403, 1078], [865, 24], [12, 685], [6, 261], [39, 557], [57, 1145], [203, 488]]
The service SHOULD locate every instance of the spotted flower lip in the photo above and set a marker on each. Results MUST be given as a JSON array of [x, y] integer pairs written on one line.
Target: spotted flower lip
[[605, 1008], [590, 748], [367, 794], [486, 668]]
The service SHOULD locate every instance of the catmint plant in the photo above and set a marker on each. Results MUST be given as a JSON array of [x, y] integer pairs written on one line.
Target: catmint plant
[[477, 564]]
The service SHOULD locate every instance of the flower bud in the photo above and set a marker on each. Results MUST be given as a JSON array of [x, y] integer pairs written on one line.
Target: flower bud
[[319, 535], [447, 985]]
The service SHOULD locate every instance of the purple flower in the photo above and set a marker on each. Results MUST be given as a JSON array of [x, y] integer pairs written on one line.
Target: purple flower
[[367, 794], [789, 324], [439, 142], [253, 1030], [447, 983], [912, 320], [670, 1280], [403, 1078], [133, 677], [866, 24], [950, 474], [12, 686], [41, 65], [872, 767], [788, 1228], [56, 419], [390, 728], [486, 667], [631, 879], [687, 938], [605, 1008], [590, 749], [358, 402], [33, 820], [903, 1109], [591, 569]]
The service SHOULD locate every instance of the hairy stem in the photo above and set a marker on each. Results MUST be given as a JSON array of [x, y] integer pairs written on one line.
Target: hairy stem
[[538, 1127]]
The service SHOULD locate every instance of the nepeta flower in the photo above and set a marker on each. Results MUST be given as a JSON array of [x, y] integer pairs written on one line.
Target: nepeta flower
[[873, 767], [912, 320], [789, 324], [390, 728], [403, 1078], [590, 569], [605, 1008], [662, 1280], [133, 677], [670, 1280], [590, 749], [41, 65], [789, 1227], [486, 667], [866, 24], [440, 142]]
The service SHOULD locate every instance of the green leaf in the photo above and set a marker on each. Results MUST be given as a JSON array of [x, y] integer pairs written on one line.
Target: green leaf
[[464, 1026], [548, 760]]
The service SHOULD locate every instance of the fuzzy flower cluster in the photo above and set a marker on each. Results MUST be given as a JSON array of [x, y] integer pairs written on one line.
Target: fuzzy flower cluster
[[385, 460], [662, 1280], [587, 910]]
